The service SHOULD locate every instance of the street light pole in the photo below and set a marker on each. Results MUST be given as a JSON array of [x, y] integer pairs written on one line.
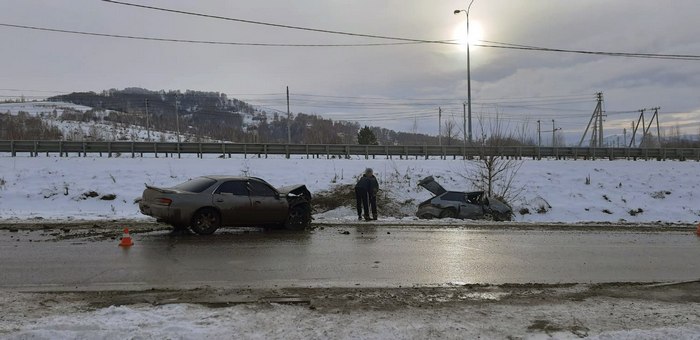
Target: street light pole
[[469, 80]]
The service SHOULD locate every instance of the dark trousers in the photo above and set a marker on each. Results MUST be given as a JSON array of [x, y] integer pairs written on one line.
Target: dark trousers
[[362, 201], [373, 204]]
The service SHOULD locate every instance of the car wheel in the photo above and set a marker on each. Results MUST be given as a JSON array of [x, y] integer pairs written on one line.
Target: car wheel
[[489, 217], [206, 221], [426, 216], [503, 217], [448, 213], [299, 218]]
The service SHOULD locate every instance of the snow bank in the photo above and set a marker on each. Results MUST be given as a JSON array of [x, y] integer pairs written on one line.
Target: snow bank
[[182, 321], [633, 191]]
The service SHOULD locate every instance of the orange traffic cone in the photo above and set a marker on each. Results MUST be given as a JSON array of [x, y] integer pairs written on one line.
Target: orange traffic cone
[[126, 239]]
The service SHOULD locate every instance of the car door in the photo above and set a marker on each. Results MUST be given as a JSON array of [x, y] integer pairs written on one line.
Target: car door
[[266, 204], [233, 201]]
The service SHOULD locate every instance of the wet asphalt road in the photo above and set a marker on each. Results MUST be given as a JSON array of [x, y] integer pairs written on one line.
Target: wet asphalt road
[[367, 256]]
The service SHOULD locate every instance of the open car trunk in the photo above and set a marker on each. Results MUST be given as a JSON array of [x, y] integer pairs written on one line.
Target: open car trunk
[[429, 184]]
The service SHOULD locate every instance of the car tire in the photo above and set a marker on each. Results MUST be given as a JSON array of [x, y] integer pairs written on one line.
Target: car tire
[[205, 221], [299, 217], [448, 213], [502, 217], [426, 216]]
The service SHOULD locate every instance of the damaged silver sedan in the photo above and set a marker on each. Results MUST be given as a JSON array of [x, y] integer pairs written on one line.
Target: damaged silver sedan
[[457, 204], [207, 203]]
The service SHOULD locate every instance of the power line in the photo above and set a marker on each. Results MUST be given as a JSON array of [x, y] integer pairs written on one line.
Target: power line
[[451, 42], [611, 54], [406, 41], [277, 25], [208, 42]]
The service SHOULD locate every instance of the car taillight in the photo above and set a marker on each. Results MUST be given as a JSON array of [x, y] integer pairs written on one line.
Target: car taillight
[[165, 201]]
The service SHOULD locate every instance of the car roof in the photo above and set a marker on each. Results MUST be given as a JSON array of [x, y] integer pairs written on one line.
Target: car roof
[[463, 192], [227, 178]]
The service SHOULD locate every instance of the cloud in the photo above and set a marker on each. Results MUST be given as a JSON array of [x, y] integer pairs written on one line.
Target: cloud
[[58, 62]]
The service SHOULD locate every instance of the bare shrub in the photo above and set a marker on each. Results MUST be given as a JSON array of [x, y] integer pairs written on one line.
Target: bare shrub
[[493, 174]]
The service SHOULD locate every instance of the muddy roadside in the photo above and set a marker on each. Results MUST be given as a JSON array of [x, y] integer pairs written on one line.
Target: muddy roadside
[[148, 225], [51, 231], [356, 298], [537, 308]]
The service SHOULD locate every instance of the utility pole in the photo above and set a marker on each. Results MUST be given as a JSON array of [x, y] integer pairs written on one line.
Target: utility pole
[[636, 127], [177, 123], [651, 121], [440, 126], [148, 129], [177, 118], [554, 130], [464, 128], [539, 134], [600, 119], [658, 129], [289, 118], [624, 133], [634, 132], [597, 122]]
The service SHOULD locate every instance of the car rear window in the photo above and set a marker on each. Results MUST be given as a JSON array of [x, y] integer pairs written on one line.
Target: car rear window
[[196, 185], [454, 196]]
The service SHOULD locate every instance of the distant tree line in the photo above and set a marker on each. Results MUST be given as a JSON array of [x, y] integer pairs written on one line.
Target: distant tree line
[[207, 116], [24, 126], [212, 115]]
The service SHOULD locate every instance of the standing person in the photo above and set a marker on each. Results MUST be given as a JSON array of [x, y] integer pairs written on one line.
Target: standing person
[[372, 192], [362, 197]]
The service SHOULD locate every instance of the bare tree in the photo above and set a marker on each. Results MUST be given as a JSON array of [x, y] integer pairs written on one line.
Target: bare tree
[[523, 133], [493, 174], [558, 139], [450, 130]]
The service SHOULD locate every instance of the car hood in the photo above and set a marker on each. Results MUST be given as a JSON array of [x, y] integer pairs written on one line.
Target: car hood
[[429, 184], [295, 190]]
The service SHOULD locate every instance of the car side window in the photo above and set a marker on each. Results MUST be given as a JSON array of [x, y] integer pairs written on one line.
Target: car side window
[[260, 189], [454, 196], [233, 187]]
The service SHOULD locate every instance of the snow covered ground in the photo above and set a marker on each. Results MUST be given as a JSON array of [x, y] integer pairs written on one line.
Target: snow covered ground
[[594, 318], [632, 191], [56, 188]]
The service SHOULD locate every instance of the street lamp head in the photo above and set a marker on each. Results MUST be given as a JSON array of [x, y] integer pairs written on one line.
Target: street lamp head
[[457, 11]]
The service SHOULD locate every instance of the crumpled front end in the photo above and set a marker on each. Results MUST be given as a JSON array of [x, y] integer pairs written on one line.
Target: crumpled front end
[[297, 190]]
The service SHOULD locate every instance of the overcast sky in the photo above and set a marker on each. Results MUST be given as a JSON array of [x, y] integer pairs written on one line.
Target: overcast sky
[[398, 87]]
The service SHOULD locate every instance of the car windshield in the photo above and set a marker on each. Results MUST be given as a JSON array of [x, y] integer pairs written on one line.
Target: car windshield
[[196, 185]]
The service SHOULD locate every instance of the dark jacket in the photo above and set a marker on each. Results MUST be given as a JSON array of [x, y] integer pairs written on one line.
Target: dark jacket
[[373, 185], [364, 183]]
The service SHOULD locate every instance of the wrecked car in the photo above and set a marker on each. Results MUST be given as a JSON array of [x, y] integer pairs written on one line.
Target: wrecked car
[[457, 204], [204, 204]]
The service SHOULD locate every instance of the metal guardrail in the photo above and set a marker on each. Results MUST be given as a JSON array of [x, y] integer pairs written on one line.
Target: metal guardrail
[[65, 148]]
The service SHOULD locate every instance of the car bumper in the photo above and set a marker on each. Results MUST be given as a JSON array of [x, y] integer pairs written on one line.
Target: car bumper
[[170, 215]]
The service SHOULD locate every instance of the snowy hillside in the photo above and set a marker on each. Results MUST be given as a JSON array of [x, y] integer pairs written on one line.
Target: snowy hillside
[[642, 191], [57, 114]]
